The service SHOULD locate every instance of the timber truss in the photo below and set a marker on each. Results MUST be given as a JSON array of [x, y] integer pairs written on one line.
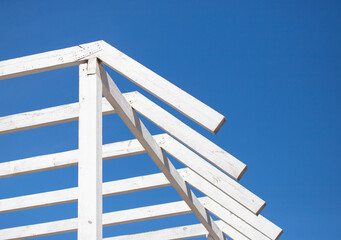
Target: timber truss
[[210, 169]]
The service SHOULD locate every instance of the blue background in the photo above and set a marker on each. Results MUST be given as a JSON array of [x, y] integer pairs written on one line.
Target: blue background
[[271, 67]]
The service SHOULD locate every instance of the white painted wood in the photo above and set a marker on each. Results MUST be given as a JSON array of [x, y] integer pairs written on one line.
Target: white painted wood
[[147, 108], [39, 230], [259, 222], [69, 158], [130, 147], [232, 220], [134, 71], [38, 163], [123, 109], [44, 117], [188, 136], [71, 194], [227, 199], [183, 232], [39, 118], [90, 152], [161, 88], [212, 174], [144, 183], [175, 233], [128, 216], [109, 219], [48, 61]]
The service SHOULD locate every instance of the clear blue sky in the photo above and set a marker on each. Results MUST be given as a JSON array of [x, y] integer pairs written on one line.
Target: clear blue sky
[[271, 67]]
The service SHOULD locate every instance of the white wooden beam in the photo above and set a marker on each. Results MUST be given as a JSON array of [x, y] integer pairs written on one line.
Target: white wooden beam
[[162, 89], [188, 136], [109, 219], [71, 194], [213, 175], [259, 222], [233, 226], [147, 108], [183, 232], [70, 158], [48, 61], [123, 109], [47, 117], [90, 152], [149, 182], [232, 220]]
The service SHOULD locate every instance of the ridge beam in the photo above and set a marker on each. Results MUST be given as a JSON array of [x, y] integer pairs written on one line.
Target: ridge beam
[[124, 110]]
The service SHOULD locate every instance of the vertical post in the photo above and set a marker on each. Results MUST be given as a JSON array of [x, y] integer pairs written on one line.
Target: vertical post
[[90, 152]]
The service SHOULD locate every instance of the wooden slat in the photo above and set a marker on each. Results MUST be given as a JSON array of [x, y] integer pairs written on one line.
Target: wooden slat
[[144, 183], [183, 232], [231, 223], [232, 220], [68, 158], [71, 194], [48, 61], [162, 89], [188, 136], [109, 219], [90, 152], [259, 222], [47, 117], [123, 109], [213, 175]]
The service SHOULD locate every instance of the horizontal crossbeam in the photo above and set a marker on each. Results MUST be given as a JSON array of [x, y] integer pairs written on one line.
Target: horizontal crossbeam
[[183, 232], [144, 183], [132, 147], [70, 112], [139, 214]]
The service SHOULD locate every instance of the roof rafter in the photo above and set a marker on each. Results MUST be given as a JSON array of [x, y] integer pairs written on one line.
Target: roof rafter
[[129, 117]]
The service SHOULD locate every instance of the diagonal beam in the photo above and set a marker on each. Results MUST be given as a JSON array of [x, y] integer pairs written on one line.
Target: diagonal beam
[[191, 138], [162, 89], [213, 175], [124, 110]]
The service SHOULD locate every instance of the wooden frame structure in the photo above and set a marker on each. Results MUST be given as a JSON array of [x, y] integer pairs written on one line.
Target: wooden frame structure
[[210, 169]]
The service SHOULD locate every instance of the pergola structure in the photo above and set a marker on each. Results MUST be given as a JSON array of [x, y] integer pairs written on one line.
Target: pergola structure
[[210, 169]]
